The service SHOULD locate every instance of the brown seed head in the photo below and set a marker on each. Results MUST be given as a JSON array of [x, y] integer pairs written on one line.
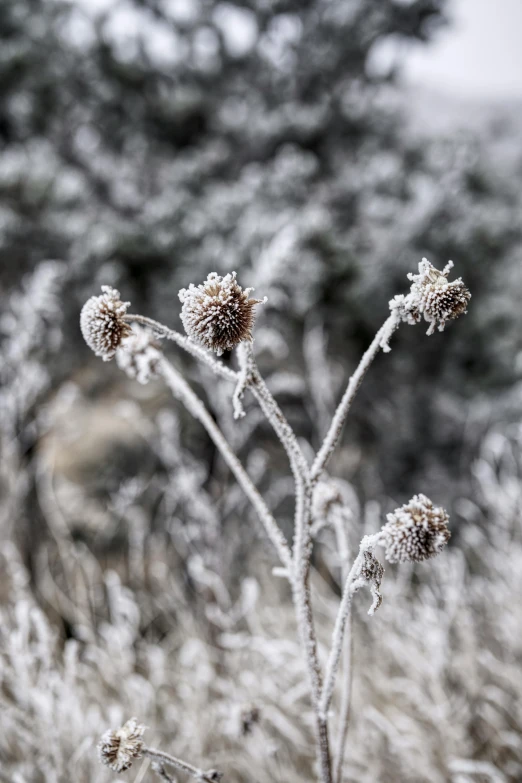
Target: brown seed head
[[117, 749], [218, 314], [416, 531], [433, 297], [102, 324]]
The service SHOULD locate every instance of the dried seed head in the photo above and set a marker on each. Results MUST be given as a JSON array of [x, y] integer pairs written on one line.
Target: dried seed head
[[416, 531], [218, 314], [118, 748], [139, 355], [432, 296], [102, 324]]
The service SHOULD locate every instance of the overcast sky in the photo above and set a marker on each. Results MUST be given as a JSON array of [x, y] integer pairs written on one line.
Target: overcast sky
[[479, 56]]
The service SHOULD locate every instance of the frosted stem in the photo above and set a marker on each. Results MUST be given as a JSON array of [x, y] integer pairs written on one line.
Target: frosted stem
[[351, 586], [331, 440], [183, 392], [272, 411], [302, 546], [160, 771], [210, 776], [346, 698], [188, 345]]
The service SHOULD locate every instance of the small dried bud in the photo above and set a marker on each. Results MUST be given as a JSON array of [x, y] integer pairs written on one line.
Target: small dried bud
[[326, 499], [372, 572], [139, 355], [432, 296], [218, 314], [118, 748], [102, 324], [416, 531], [249, 717]]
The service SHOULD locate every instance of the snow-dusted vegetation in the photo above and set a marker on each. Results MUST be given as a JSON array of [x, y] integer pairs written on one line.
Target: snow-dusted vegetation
[[148, 560]]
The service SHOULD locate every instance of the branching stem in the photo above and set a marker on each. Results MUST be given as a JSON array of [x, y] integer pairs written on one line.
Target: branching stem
[[183, 392]]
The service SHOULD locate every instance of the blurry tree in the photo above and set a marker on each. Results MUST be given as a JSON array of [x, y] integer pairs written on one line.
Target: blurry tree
[[147, 143]]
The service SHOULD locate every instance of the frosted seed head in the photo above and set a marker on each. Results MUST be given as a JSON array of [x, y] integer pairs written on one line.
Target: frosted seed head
[[416, 531], [102, 324], [139, 355], [118, 748], [218, 314], [432, 296]]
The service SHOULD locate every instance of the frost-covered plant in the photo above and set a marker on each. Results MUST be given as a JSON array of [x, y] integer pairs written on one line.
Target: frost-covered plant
[[218, 315]]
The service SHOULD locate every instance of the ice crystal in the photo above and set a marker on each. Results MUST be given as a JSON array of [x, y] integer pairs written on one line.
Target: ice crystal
[[102, 324], [416, 531], [218, 314]]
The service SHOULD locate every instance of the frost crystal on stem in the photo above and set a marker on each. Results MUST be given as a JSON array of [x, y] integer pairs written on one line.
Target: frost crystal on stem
[[218, 313], [118, 748], [416, 531], [102, 322]]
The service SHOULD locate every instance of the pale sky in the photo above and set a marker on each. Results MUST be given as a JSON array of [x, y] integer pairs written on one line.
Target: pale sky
[[479, 56]]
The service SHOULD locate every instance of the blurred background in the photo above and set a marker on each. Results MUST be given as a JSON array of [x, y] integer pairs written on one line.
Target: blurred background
[[320, 149]]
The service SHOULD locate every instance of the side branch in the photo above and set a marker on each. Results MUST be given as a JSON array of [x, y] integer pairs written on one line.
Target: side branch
[[183, 392], [352, 584], [158, 756], [331, 440], [184, 342]]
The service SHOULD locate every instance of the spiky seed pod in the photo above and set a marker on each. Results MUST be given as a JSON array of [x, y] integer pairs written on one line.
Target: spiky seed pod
[[139, 355], [433, 297], [416, 531], [102, 324], [118, 748], [218, 314]]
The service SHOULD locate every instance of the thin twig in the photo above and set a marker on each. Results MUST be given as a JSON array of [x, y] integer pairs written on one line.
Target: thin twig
[[184, 342], [352, 584], [161, 772], [302, 545], [339, 524], [210, 776], [380, 340], [182, 391], [346, 698]]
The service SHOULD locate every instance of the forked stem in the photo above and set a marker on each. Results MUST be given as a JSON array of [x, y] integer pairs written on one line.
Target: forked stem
[[183, 392]]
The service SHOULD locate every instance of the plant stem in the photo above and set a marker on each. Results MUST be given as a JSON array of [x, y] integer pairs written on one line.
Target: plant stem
[[210, 776], [183, 392], [333, 435], [346, 697], [184, 342], [352, 584]]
